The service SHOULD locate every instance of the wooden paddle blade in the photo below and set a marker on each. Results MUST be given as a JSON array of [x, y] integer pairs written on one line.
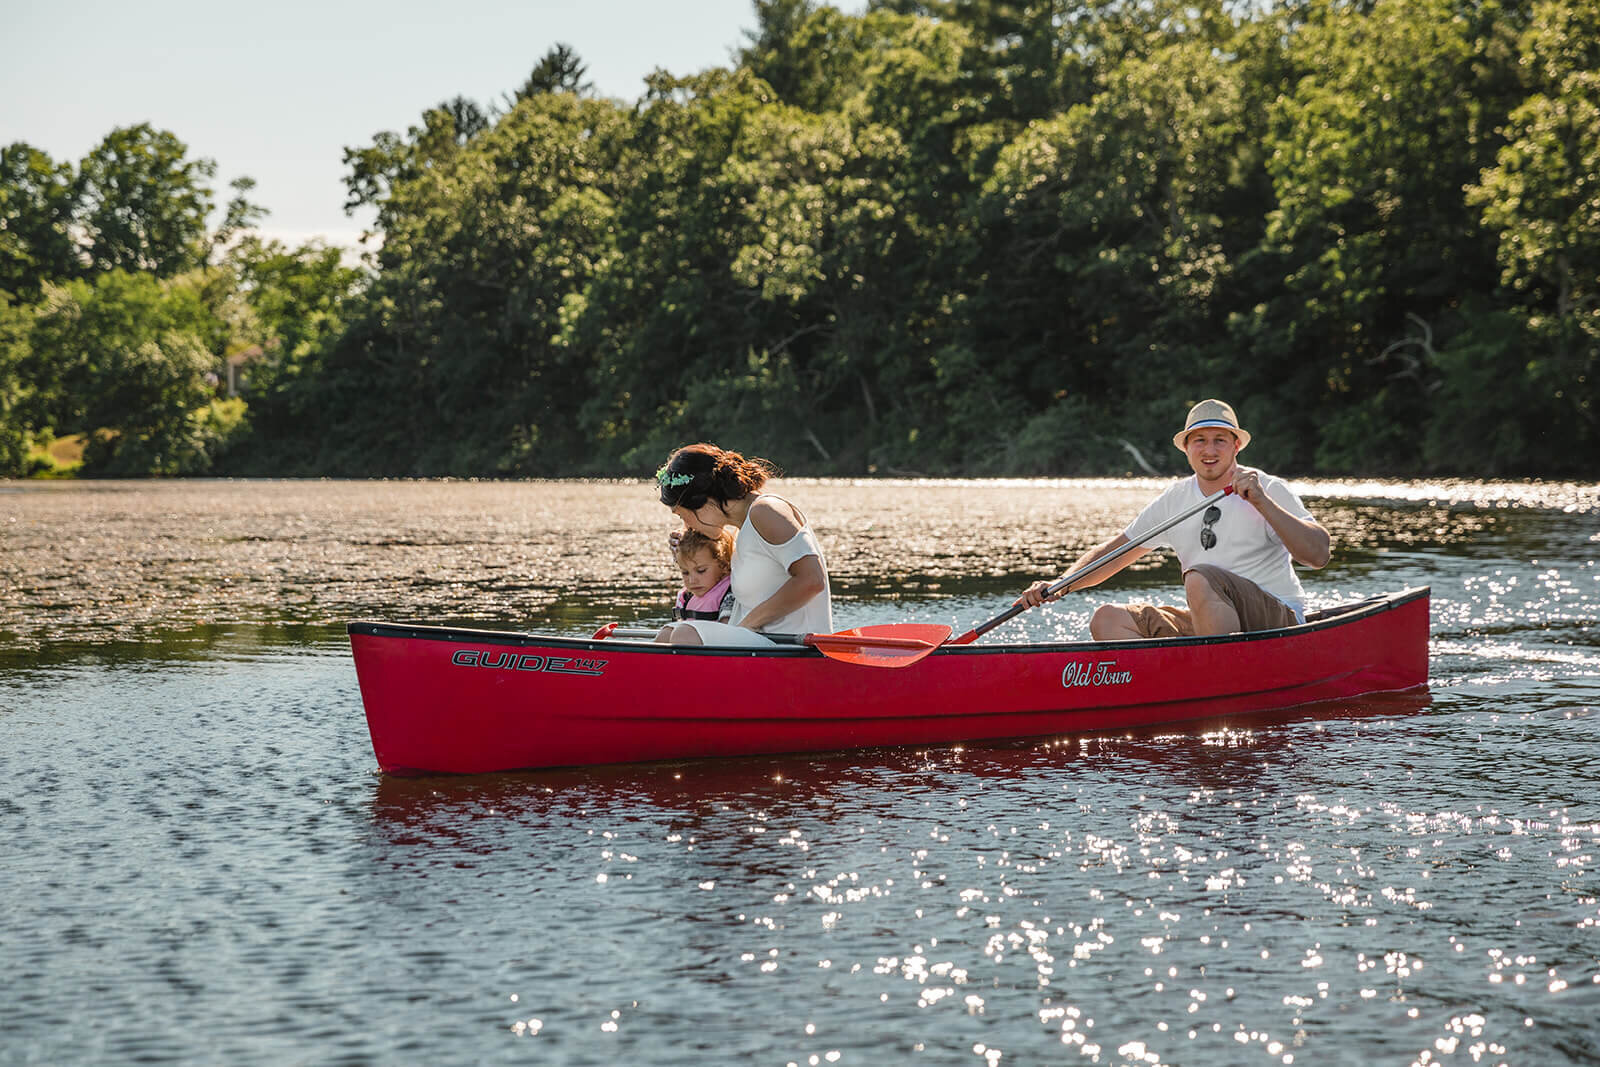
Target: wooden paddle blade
[[891, 645]]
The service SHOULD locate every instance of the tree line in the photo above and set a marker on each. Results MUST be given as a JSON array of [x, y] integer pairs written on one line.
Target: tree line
[[938, 237]]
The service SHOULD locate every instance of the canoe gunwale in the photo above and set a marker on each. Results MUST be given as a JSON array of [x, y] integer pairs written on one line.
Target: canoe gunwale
[[1324, 619]]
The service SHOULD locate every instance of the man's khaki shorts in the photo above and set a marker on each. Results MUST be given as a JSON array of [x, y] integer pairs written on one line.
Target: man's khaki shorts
[[1257, 608]]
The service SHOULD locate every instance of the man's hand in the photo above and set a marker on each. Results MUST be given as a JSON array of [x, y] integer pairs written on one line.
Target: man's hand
[[1034, 595], [1247, 484]]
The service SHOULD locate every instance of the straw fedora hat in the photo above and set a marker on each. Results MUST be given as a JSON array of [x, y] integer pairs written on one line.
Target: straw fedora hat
[[1211, 413]]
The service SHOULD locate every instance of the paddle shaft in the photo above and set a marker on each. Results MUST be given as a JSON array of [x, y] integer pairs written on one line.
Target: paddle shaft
[[840, 641], [820, 641], [1089, 568], [850, 641]]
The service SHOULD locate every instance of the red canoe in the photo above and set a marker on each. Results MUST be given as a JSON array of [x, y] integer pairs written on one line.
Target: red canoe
[[468, 701]]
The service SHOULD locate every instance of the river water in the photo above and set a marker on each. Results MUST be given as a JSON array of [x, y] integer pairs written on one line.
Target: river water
[[200, 863]]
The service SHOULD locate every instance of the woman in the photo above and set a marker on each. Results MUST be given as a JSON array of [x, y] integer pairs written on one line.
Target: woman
[[780, 579]]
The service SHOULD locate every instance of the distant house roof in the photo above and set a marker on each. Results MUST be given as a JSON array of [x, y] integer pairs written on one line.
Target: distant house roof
[[245, 355]]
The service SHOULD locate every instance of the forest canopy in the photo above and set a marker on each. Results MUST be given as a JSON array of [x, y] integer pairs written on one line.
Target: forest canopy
[[966, 237]]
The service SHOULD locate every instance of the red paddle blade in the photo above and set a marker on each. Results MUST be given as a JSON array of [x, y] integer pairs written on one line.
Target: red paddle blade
[[891, 645], [932, 633]]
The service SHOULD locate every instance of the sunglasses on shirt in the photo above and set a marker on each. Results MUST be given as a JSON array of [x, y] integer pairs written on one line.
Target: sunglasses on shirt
[[1208, 536]]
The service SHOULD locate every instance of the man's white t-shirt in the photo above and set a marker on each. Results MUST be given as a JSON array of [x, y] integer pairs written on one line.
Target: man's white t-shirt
[[1246, 544]]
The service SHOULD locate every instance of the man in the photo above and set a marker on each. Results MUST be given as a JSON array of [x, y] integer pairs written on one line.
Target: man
[[1237, 557]]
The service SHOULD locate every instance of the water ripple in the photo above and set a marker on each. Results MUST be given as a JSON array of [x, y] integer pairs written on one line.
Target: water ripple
[[201, 863]]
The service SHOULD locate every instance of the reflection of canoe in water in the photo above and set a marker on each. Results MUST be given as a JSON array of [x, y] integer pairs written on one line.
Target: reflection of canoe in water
[[468, 701]]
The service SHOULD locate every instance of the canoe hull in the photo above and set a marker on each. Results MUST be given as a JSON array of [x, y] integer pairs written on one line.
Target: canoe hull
[[442, 700]]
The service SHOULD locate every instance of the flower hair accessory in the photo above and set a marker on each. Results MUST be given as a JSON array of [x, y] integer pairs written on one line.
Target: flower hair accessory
[[668, 480]]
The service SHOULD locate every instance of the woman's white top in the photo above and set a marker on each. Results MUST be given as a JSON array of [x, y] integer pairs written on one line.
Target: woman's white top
[[760, 569]]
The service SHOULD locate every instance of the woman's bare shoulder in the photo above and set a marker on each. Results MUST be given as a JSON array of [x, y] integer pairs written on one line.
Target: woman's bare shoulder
[[775, 519]]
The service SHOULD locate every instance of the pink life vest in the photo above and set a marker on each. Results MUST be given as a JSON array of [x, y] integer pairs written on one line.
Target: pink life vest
[[712, 604]]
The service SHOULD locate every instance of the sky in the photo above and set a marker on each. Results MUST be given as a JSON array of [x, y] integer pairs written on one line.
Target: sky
[[276, 91]]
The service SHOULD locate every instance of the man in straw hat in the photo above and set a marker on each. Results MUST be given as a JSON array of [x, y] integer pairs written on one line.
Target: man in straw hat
[[1237, 557]]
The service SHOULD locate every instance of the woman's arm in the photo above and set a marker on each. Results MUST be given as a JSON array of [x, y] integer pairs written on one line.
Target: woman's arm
[[777, 521], [806, 580]]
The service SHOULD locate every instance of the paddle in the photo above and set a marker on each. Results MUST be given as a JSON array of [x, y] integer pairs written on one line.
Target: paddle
[[612, 629], [1064, 583], [898, 644]]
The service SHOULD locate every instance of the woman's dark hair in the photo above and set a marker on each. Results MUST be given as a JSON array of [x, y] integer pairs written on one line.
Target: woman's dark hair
[[698, 473]]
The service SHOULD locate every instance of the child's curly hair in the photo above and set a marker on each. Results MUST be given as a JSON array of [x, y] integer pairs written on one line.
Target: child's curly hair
[[685, 543]]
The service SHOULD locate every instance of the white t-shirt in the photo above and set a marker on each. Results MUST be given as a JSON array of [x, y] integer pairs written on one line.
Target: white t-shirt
[[760, 570], [1246, 544]]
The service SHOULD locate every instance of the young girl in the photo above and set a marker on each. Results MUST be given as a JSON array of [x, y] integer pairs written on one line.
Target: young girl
[[780, 579], [707, 584]]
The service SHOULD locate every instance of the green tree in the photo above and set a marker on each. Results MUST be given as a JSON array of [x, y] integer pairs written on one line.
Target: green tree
[[487, 239], [970, 236], [240, 215], [379, 169], [1110, 232], [1540, 197], [558, 71], [297, 297], [1541, 200], [16, 430], [37, 209], [123, 361], [820, 232], [143, 204], [662, 311], [1368, 153], [1493, 408]]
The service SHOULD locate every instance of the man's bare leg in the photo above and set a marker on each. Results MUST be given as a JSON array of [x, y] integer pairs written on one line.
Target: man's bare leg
[[1211, 613], [1113, 622]]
